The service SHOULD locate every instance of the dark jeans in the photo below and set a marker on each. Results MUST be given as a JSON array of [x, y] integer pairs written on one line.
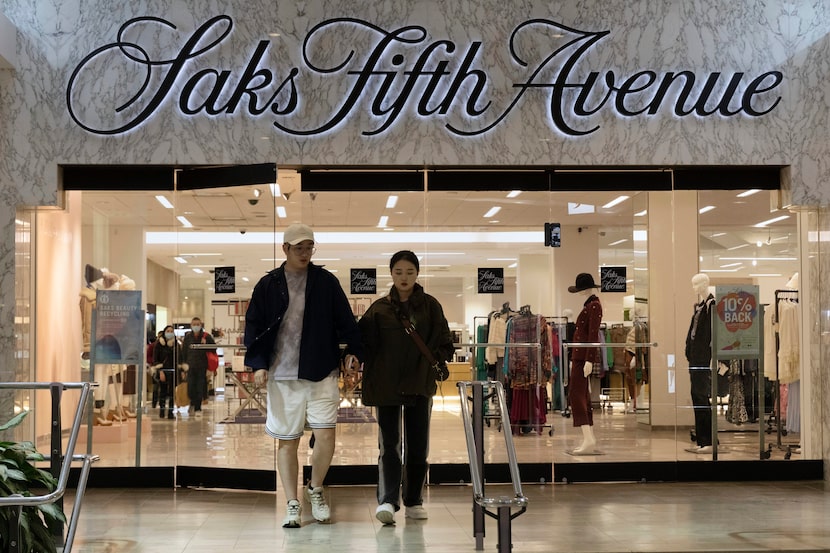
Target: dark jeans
[[166, 391], [701, 378], [197, 386], [405, 475]]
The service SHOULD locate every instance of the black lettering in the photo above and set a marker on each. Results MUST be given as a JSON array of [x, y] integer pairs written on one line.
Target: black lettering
[[209, 102], [629, 86], [588, 87], [754, 87]]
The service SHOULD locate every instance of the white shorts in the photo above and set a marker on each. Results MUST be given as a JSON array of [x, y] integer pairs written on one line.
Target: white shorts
[[293, 403]]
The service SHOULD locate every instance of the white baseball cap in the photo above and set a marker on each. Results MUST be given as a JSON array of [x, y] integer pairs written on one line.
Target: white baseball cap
[[297, 233]]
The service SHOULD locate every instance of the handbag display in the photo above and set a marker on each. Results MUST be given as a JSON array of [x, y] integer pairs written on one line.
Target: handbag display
[[441, 371]]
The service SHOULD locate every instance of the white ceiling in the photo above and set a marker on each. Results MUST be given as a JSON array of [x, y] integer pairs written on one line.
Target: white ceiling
[[235, 211]]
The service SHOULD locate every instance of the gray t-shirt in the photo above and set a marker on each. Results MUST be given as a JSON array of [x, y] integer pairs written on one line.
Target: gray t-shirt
[[287, 348]]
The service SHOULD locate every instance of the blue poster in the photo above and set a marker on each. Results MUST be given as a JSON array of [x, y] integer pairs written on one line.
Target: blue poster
[[119, 327]]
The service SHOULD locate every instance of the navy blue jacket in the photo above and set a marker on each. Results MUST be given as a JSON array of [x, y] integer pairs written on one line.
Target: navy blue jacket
[[328, 321]]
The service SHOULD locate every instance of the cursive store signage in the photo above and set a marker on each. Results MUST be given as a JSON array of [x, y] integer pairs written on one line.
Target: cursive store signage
[[391, 74], [363, 281], [491, 280]]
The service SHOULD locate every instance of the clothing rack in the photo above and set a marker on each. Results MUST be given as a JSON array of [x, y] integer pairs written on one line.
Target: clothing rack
[[780, 295]]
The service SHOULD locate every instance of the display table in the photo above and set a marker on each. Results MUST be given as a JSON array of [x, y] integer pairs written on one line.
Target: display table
[[250, 395], [459, 372]]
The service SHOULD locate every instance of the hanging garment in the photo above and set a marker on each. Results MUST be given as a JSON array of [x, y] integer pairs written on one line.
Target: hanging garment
[[788, 343], [736, 411]]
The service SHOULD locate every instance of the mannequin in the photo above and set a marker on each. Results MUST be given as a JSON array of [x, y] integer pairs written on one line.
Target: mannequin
[[108, 401], [582, 361], [699, 356], [637, 359]]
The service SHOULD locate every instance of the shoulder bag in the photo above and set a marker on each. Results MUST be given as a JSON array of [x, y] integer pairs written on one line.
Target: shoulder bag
[[440, 367]]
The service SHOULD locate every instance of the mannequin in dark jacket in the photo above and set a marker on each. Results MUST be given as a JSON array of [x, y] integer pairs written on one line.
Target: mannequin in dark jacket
[[582, 359], [400, 381], [699, 356]]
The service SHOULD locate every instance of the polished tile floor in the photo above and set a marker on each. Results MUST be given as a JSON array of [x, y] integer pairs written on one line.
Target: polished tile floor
[[212, 441], [769, 516]]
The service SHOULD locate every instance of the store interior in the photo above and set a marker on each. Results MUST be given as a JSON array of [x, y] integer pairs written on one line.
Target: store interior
[[171, 243]]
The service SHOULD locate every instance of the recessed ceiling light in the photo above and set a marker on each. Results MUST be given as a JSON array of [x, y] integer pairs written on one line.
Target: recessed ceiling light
[[706, 209], [198, 271], [382, 221], [391, 202], [281, 213], [749, 192], [492, 211], [771, 221], [514, 193], [641, 213], [615, 201], [183, 220], [180, 259], [164, 201], [620, 241]]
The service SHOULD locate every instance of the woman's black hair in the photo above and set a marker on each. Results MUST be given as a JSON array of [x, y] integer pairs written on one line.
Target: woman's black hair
[[405, 255]]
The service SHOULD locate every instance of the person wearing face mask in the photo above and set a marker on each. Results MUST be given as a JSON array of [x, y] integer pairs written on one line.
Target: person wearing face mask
[[195, 365], [166, 354], [582, 359], [400, 380], [295, 322]]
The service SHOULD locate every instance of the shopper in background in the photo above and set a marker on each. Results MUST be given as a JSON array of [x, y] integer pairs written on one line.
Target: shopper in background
[[297, 317], [151, 372], [195, 365], [400, 381], [166, 354]]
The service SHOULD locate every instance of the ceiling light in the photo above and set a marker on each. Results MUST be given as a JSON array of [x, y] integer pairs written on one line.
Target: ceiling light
[[275, 189], [719, 270], [368, 237], [731, 265], [164, 201], [620, 241], [198, 271], [579, 209], [760, 258], [641, 213], [501, 259], [717, 234], [198, 254], [382, 221], [513, 265], [494, 221], [257, 192], [706, 209], [765, 274], [391, 202], [749, 192], [281, 212], [771, 221], [245, 279], [493, 210], [514, 193], [759, 243], [737, 247], [183, 220], [180, 259], [615, 201]]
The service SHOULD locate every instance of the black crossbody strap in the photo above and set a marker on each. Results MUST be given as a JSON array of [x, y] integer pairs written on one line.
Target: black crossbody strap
[[410, 329]]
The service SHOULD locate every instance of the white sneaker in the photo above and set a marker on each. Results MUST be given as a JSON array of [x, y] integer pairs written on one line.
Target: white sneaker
[[292, 514], [416, 512], [319, 508], [385, 513]]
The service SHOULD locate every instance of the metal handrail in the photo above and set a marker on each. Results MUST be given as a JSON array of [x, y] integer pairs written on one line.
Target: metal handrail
[[568, 345], [63, 478]]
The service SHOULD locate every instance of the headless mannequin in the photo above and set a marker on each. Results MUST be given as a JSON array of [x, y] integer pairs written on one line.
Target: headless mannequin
[[699, 356], [580, 371], [632, 383]]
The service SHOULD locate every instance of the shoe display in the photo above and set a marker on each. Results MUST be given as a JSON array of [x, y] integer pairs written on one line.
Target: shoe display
[[385, 513], [416, 512], [319, 508], [292, 514]]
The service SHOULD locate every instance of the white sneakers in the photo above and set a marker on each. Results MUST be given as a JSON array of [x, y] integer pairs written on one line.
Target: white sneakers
[[292, 514], [385, 513], [416, 512], [319, 507]]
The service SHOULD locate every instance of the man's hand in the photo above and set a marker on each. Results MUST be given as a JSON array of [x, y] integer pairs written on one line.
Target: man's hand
[[261, 377], [587, 369]]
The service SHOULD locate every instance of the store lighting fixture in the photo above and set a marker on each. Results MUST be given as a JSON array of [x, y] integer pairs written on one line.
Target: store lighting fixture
[[736, 264], [705, 209], [749, 192], [738, 247], [641, 213], [246, 279], [198, 271], [514, 193], [180, 259], [620, 241], [164, 201], [382, 221], [257, 192], [281, 213], [275, 189], [616, 201], [719, 270], [185, 223], [717, 234], [513, 265], [501, 259], [391, 202], [765, 274], [350, 238], [759, 258], [580, 209], [492, 211], [771, 221]]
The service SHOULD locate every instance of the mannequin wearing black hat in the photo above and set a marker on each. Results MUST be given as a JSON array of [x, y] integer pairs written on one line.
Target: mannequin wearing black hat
[[582, 360]]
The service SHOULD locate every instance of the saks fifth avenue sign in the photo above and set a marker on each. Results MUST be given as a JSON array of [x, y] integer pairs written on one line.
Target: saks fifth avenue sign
[[402, 72]]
